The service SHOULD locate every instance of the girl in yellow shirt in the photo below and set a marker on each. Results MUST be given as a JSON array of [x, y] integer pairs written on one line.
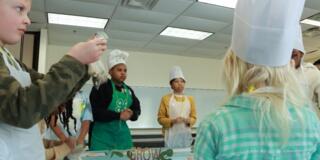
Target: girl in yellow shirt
[[177, 113]]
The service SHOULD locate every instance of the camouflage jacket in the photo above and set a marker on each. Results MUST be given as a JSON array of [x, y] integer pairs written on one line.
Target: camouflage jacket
[[24, 107]]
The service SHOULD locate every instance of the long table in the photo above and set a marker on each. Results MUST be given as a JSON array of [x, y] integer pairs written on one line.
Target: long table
[[139, 154]]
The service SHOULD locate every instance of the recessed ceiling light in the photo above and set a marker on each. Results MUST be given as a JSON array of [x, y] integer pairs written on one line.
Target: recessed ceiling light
[[223, 3], [72, 20], [311, 22], [185, 33]]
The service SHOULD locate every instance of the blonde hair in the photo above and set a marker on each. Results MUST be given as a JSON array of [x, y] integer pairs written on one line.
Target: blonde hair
[[271, 107]]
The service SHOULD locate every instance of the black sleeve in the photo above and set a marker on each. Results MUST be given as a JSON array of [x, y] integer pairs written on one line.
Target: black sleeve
[[135, 107], [100, 100]]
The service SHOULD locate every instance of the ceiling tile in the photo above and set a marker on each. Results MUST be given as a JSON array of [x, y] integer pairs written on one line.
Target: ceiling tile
[[57, 37], [38, 16], [172, 6], [161, 51], [144, 16], [211, 12], [35, 27], [211, 45], [198, 24], [134, 36], [307, 12], [313, 4], [165, 47], [220, 38], [38, 5], [69, 34], [109, 2], [227, 30], [80, 8], [305, 27], [174, 41], [120, 44], [131, 26], [138, 29]]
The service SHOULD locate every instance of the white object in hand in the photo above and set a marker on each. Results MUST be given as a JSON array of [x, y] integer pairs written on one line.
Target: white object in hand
[[97, 70]]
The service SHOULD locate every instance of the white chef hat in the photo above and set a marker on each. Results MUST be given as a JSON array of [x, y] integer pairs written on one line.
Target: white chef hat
[[264, 31], [176, 72], [117, 57], [299, 41]]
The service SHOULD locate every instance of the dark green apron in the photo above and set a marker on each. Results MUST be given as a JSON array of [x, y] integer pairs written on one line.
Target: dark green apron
[[114, 135]]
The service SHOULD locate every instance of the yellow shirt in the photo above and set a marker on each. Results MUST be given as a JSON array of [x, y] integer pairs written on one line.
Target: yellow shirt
[[163, 113]]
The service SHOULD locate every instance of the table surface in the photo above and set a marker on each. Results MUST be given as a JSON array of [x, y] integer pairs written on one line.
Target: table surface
[[139, 154]]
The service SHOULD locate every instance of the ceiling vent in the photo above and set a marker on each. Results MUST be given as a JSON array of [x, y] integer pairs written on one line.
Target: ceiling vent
[[139, 4]]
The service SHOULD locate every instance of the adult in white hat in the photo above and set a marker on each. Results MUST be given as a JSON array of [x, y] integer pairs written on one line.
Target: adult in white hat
[[307, 74], [267, 115], [113, 103], [177, 113]]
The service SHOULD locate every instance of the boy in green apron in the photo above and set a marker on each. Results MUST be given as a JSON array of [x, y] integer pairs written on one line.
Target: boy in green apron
[[113, 103]]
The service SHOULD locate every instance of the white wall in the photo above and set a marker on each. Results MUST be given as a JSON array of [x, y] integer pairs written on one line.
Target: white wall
[[43, 51], [150, 69]]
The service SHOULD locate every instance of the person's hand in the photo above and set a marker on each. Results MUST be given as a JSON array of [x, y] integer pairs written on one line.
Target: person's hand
[[88, 52], [187, 121], [71, 142], [129, 111], [178, 120], [79, 148], [125, 115], [80, 141], [61, 151]]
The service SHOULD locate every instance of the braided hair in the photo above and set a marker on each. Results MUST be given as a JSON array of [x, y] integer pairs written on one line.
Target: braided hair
[[63, 113]]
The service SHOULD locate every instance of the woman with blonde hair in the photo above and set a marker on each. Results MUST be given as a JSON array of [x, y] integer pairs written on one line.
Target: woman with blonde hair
[[267, 115]]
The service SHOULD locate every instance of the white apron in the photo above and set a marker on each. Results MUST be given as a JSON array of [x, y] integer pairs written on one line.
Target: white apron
[[179, 135], [18, 143]]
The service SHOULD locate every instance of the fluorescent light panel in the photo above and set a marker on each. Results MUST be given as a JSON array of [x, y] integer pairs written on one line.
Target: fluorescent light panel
[[185, 33], [81, 21], [311, 22], [223, 3]]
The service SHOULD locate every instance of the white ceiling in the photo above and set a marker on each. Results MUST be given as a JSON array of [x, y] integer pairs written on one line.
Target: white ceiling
[[138, 29]]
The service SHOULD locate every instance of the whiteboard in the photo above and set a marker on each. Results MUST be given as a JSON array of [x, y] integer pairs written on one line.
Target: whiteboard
[[207, 100]]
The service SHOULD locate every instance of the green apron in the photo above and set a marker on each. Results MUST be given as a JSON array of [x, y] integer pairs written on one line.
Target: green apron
[[114, 135]]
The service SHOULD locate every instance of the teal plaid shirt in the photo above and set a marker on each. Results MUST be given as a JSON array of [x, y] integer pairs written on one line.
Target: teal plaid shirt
[[232, 133]]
